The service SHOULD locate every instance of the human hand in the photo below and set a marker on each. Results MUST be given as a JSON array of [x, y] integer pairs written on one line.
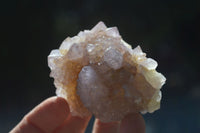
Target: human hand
[[53, 116]]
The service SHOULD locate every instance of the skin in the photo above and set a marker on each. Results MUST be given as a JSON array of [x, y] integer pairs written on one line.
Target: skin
[[53, 116]]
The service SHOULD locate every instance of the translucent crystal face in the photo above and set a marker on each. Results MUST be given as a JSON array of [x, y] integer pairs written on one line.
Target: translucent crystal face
[[98, 73]]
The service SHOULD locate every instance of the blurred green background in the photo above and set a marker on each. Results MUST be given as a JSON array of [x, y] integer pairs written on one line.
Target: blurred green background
[[167, 30]]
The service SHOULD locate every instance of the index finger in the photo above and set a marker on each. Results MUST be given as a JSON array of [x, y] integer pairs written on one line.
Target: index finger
[[46, 117]]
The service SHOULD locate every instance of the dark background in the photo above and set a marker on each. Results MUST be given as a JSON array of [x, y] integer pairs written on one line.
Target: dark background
[[167, 30]]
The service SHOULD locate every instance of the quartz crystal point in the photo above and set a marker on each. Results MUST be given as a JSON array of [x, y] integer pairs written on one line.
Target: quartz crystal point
[[98, 73]]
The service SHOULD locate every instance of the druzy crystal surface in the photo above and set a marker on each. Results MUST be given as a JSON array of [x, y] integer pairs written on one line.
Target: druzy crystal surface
[[98, 73]]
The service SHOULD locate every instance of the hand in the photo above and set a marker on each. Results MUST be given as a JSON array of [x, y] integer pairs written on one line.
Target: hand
[[53, 116]]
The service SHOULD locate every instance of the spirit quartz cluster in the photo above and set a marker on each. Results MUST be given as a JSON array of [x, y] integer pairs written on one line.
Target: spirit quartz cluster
[[98, 73]]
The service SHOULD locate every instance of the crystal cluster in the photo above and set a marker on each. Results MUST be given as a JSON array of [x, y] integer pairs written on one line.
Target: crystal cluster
[[98, 73]]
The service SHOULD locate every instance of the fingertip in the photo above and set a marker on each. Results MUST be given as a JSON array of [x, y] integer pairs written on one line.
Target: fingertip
[[133, 123], [59, 103], [110, 127], [49, 114]]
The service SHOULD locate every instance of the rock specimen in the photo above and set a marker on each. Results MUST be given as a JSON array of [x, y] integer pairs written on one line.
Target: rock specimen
[[99, 73]]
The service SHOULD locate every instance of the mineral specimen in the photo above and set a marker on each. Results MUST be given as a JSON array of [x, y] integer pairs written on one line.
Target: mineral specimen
[[98, 73]]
